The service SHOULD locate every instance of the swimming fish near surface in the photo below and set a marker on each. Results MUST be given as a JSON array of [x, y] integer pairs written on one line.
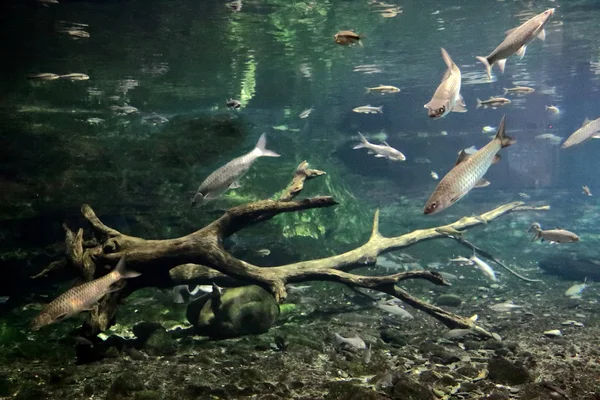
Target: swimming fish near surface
[[468, 172], [81, 298], [384, 151], [447, 97], [516, 41], [557, 235], [589, 130], [228, 176]]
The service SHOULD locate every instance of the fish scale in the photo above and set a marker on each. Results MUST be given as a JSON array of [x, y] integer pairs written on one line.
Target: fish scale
[[587, 131]]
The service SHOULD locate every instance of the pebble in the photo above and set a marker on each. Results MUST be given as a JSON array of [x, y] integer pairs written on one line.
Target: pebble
[[580, 315], [553, 333]]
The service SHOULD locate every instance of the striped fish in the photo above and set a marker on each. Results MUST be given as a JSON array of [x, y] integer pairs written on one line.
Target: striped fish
[[228, 176], [467, 173], [589, 129], [81, 298], [516, 41]]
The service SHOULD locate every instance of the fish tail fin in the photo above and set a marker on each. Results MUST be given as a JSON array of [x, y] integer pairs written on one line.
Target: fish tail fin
[[363, 143], [506, 90], [478, 104], [488, 67], [261, 146], [505, 140], [367, 90], [124, 273], [447, 59], [380, 109]]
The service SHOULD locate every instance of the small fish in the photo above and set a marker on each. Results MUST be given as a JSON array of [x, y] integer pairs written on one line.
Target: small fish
[[233, 104], [447, 97], [76, 33], [75, 77], [94, 121], [557, 235], [447, 230], [390, 12], [468, 172], [422, 160], [44, 76], [483, 267], [227, 176], [589, 130], [516, 41], [306, 113], [46, 2], [347, 38], [488, 129], [586, 190], [576, 290], [297, 288], [394, 310], [235, 6], [384, 151], [81, 298], [492, 102], [154, 119], [552, 109], [434, 175], [381, 136], [504, 307], [383, 89], [124, 110], [524, 196], [444, 133], [552, 138], [353, 342], [263, 252], [4, 299], [457, 334], [519, 90], [368, 110]]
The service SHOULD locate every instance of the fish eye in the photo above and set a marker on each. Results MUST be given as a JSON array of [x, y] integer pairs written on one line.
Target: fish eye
[[441, 110], [433, 205]]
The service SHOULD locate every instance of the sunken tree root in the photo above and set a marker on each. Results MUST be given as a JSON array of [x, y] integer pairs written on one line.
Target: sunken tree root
[[199, 258]]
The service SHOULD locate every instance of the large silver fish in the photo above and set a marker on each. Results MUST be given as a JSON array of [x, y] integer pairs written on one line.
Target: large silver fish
[[589, 129], [384, 150], [467, 173], [447, 96], [228, 175], [81, 298], [516, 41]]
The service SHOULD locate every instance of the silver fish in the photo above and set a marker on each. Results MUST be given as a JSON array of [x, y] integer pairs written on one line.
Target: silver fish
[[467, 173], [385, 150], [306, 113], [552, 109], [75, 77], [557, 235], [519, 90], [447, 96], [368, 109], [354, 342], [483, 267], [123, 110], [516, 41], [228, 175], [395, 310], [504, 307], [4, 299], [492, 102], [44, 76], [589, 129], [81, 298]]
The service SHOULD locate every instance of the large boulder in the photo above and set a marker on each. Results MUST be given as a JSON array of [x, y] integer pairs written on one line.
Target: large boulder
[[228, 313], [572, 268]]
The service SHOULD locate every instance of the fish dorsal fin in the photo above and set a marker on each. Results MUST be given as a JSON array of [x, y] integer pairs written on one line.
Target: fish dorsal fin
[[462, 156], [386, 143], [508, 32], [586, 122]]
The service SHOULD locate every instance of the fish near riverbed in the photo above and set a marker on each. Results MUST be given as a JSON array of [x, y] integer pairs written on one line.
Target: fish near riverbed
[[228, 176], [468, 172], [557, 235], [82, 298], [384, 151], [447, 97], [516, 41]]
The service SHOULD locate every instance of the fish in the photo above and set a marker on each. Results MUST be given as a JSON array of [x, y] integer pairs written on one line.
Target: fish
[[233, 104], [46, 2], [75, 77], [589, 130], [306, 113], [524, 196], [81, 298], [235, 6], [368, 109], [483, 267], [576, 290], [4, 299], [488, 129], [448, 230], [552, 138], [586, 190], [263, 252], [447, 97], [77, 33], [504, 307], [557, 235], [468, 172], [154, 119], [383, 89], [519, 90], [381, 136], [492, 102], [123, 110], [394, 310], [516, 41], [552, 109], [182, 293], [297, 288], [383, 151], [228, 176], [345, 38], [422, 160], [44, 76], [434, 175], [353, 342], [457, 334], [94, 121]]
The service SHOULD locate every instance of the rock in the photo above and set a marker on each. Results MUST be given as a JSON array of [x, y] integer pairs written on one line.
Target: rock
[[449, 300], [439, 354], [553, 333], [125, 385], [407, 389], [6, 389], [236, 312], [393, 337], [507, 372], [147, 395], [350, 391], [161, 343], [572, 269], [145, 329]]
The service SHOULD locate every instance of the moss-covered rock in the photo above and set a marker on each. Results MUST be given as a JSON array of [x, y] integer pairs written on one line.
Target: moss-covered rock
[[160, 343], [236, 312], [448, 300], [125, 385], [506, 372]]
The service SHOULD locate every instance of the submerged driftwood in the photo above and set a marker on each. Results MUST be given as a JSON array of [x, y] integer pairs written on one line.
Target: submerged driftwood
[[200, 257]]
